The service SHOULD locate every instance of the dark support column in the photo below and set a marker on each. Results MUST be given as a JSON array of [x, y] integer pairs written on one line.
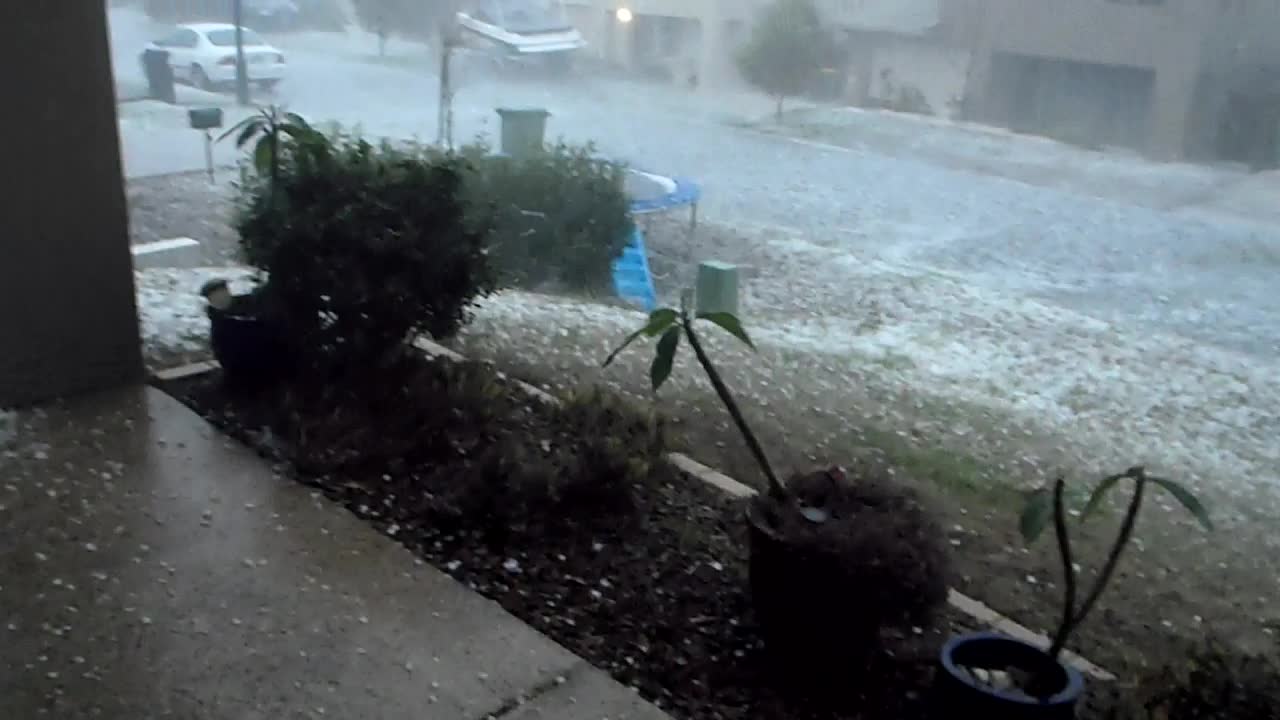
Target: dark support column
[[68, 321]]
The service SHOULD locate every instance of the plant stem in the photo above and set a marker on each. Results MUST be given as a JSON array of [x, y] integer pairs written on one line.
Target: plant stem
[[1126, 532], [776, 489], [1068, 570]]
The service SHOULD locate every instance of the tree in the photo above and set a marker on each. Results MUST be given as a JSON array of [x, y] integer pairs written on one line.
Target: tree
[[786, 51], [414, 19]]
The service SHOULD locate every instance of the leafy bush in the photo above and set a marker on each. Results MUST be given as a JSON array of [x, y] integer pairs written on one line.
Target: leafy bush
[[474, 453], [1213, 683], [363, 245], [888, 547], [583, 475], [557, 218]]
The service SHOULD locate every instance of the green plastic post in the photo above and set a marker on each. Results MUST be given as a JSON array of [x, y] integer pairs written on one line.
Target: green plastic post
[[523, 131], [717, 287]]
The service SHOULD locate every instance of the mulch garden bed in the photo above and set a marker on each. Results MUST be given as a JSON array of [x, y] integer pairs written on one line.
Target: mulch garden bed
[[570, 520]]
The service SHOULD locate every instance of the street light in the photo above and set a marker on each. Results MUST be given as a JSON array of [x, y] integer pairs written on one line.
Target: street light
[[624, 15], [242, 76]]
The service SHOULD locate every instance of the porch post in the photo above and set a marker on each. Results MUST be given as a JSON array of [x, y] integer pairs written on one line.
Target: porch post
[[68, 321]]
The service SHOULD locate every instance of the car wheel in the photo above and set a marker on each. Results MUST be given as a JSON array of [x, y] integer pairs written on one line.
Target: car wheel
[[199, 78]]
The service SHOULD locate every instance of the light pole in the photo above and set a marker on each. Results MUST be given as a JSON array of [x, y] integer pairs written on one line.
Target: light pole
[[242, 74], [444, 117]]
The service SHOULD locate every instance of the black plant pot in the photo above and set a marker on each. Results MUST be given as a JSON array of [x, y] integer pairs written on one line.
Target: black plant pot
[[249, 347], [802, 606], [959, 694]]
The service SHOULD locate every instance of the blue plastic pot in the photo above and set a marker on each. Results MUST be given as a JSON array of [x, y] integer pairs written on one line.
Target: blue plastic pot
[[958, 694]]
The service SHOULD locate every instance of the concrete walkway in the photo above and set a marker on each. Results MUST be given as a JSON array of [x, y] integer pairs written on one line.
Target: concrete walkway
[[151, 568]]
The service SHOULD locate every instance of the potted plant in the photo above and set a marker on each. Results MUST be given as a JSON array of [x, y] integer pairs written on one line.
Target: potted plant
[[246, 341], [989, 675], [246, 337], [833, 559]]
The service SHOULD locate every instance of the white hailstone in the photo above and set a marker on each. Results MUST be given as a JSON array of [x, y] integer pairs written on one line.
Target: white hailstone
[[511, 565]]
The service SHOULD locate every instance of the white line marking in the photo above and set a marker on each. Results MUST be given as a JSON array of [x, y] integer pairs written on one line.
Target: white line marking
[[162, 246]]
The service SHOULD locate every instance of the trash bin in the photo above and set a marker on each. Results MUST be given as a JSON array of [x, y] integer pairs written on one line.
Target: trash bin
[[155, 65], [523, 131]]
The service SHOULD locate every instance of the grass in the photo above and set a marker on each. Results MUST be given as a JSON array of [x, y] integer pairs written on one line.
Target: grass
[[953, 473]]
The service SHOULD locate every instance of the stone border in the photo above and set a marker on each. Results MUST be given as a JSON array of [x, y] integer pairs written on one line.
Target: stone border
[[165, 253], [686, 465]]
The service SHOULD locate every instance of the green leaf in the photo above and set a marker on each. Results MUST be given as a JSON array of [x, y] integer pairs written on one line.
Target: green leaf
[[243, 130], [263, 155], [1100, 493], [296, 121], [1188, 500], [730, 323], [659, 321], [1036, 514], [660, 370], [297, 132]]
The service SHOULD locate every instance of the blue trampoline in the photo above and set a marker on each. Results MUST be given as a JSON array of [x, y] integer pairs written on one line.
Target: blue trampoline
[[650, 193]]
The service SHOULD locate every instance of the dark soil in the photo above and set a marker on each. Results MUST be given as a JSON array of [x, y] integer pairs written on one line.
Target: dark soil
[[643, 573]]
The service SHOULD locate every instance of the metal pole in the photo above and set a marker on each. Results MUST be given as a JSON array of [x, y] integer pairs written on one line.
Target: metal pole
[[444, 119], [242, 74], [208, 154]]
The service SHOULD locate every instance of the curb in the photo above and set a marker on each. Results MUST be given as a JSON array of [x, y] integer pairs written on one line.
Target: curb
[[165, 253], [975, 609]]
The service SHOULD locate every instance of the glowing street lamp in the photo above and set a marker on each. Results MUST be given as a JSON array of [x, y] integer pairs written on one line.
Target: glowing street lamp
[[624, 15]]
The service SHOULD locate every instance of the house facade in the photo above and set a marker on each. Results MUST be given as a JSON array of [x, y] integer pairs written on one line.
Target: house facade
[[684, 39], [1157, 75], [1172, 78]]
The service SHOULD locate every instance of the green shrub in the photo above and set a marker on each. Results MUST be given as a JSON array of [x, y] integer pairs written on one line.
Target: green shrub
[[559, 218], [1214, 682], [363, 245]]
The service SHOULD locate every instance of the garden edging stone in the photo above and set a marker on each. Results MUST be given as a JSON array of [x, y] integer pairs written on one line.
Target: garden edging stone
[[728, 485]]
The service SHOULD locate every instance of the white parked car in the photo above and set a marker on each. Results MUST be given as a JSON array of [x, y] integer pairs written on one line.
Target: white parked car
[[204, 55]]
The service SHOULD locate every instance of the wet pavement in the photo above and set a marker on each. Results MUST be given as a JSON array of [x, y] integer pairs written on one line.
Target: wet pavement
[[150, 567]]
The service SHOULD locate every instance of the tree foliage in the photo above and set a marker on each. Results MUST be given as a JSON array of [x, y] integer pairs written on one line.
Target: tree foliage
[[420, 19], [787, 49]]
